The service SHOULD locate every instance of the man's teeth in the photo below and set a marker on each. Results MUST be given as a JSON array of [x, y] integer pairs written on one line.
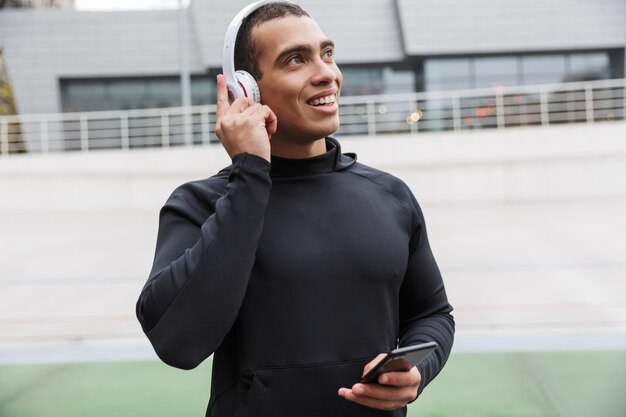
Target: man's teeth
[[323, 100]]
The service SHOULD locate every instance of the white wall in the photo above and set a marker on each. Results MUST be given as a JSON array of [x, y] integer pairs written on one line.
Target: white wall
[[525, 164]]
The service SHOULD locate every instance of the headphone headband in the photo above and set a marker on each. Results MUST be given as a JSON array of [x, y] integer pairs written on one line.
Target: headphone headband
[[228, 54]]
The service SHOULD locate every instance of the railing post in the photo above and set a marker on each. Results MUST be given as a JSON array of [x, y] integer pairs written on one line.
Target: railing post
[[45, 140], [84, 133], [456, 112], [371, 118], [204, 126], [589, 103], [187, 127], [543, 107], [125, 137], [4, 137], [500, 110], [623, 101], [165, 130]]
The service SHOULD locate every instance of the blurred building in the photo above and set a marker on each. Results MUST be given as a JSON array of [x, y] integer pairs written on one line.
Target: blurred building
[[7, 99], [65, 60], [7, 102], [62, 4]]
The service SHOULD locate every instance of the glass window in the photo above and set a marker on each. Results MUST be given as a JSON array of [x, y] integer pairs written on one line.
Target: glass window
[[495, 71], [362, 81], [512, 70], [451, 84], [132, 93], [203, 91], [84, 95], [85, 89], [398, 81], [541, 69], [447, 68], [127, 94], [589, 66], [164, 88], [128, 89], [493, 82], [487, 66], [162, 92], [447, 74]]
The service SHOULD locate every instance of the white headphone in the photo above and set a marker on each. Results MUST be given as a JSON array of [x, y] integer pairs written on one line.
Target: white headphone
[[240, 83]]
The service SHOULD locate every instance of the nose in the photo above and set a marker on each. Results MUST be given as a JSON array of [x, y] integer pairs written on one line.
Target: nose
[[324, 72]]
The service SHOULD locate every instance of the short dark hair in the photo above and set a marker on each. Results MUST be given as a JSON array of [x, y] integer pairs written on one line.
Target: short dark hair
[[246, 53]]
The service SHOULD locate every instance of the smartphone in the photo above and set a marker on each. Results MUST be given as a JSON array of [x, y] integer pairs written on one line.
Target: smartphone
[[401, 359]]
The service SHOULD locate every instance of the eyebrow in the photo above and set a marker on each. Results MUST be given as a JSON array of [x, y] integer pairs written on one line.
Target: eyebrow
[[302, 49]]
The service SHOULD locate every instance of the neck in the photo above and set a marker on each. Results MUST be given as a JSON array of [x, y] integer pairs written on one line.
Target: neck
[[291, 150]]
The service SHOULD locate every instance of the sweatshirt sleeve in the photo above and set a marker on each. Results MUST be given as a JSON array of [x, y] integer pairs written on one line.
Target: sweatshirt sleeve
[[425, 314], [205, 251]]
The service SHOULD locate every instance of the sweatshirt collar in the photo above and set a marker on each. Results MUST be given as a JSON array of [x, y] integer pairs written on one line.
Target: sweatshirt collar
[[331, 160]]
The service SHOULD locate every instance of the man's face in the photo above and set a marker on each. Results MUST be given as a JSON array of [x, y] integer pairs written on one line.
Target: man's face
[[300, 81]]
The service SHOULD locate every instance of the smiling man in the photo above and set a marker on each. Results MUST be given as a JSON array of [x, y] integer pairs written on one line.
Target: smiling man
[[295, 265]]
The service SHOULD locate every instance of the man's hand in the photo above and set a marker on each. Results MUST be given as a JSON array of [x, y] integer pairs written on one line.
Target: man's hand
[[243, 126], [394, 389]]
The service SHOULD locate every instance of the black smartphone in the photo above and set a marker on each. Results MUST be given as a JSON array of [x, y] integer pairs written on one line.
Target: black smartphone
[[401, 359]]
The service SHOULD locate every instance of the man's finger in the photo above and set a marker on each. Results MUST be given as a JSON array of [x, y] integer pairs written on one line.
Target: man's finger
[[400, 379], [373, 362], [271, 122], [222, 97], [247, 107], [224, 105], [263, 112], [372, 402]]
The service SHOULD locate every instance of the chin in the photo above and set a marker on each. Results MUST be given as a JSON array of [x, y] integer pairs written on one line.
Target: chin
[[325, 133], [311, 133], [329, 128]]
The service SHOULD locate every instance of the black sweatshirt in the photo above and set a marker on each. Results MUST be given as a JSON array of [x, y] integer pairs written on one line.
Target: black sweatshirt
[[295, 274]]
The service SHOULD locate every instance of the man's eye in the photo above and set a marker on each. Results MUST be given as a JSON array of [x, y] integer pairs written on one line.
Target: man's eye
[[295, 60], [329, 54]]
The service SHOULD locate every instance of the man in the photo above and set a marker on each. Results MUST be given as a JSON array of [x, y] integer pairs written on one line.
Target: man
[[295, 266]]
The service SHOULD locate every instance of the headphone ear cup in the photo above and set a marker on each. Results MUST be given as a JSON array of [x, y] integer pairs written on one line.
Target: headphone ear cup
[[248, 85]]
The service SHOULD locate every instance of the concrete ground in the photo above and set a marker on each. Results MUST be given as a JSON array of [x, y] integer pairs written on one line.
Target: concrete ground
[[536, 276]]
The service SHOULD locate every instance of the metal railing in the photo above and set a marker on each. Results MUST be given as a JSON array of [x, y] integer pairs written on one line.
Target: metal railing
[[499, 108]]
